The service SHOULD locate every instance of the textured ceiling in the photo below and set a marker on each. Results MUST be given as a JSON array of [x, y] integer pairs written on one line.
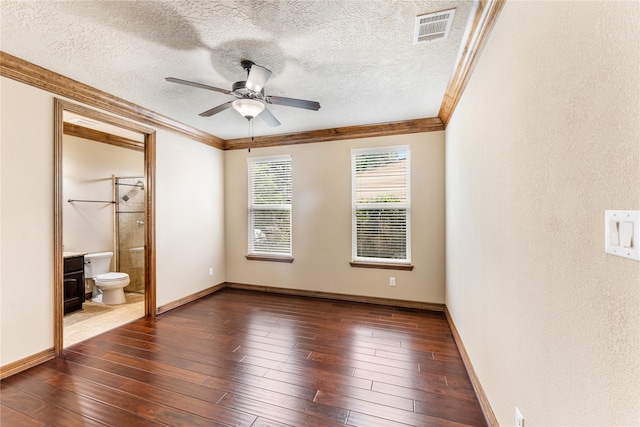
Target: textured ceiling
[[355, 57]]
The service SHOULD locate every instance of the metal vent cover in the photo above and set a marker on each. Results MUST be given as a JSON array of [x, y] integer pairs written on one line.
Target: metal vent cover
[[433, 26]]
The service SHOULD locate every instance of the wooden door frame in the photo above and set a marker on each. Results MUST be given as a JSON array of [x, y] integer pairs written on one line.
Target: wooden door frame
[[150, 307]]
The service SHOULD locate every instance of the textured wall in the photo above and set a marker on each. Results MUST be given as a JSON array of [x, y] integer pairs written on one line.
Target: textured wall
[[26, 231], [190, 217], [544, 140], [322, 222], [87, 168]]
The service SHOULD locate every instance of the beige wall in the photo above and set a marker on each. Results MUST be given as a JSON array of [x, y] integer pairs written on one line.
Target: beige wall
[[26, 236], [190, 225], [190, 217], [87, 169], [544, 140], [322, 222]]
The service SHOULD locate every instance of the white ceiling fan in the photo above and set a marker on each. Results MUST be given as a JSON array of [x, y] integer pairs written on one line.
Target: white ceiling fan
[[250, 99]]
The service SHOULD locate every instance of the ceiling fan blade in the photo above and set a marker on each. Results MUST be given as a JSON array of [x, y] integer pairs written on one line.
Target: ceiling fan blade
[[257, 78], [194, 84], [216, 110], [269, 118], [292, 102]]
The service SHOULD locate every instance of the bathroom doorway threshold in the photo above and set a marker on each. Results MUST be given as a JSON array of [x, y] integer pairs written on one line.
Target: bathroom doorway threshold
[[96, 318]]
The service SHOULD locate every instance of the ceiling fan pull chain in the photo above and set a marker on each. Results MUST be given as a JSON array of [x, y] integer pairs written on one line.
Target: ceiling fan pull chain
[[250, 133]]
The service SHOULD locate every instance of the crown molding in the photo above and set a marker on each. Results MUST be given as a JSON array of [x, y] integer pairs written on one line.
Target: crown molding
[[25, 72], [484, 16], [339, 134]]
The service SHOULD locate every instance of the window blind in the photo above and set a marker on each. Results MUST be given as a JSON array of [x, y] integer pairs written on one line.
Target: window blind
[[381, 204], [269, 205]]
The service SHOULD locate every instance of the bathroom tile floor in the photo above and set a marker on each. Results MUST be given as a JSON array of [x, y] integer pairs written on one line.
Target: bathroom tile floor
[[96, 318]]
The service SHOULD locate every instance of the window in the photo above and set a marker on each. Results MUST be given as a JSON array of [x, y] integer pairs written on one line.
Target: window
[[381, 205], [270, 205]]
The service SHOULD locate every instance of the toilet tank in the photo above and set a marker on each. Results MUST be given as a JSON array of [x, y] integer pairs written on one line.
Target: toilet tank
[[98, 263]]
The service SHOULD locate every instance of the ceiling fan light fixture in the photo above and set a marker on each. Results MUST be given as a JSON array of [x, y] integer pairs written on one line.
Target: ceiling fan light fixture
[[248, 108]]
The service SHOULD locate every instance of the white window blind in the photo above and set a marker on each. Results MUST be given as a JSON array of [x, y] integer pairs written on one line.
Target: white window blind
[[269, 205], [381, 204]]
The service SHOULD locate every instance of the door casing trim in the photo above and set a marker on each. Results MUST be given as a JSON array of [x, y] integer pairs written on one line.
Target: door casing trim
[[150, 307]]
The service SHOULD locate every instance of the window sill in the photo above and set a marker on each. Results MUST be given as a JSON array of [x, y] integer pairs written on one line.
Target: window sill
[[271, 258], [386, 266]]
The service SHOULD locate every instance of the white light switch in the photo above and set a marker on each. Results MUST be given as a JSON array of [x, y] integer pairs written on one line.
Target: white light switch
[[626, 234], [614, 234], [622, 233]]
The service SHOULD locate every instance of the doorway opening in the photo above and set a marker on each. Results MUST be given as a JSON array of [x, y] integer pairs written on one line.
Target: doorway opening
[[131, 244]]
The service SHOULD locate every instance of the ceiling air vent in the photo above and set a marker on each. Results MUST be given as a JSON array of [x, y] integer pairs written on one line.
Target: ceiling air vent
[[433, 26]]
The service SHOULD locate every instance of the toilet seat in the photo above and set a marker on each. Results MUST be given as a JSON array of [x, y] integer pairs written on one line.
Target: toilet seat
[[111, 277]]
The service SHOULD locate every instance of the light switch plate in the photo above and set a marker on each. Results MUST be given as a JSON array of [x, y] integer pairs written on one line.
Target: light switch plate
[[622, 233]]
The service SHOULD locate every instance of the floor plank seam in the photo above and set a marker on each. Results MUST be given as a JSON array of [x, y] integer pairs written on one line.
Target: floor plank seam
[[222, 397]]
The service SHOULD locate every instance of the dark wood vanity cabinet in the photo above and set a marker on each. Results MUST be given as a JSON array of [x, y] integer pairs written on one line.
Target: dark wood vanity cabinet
[[73, 283]]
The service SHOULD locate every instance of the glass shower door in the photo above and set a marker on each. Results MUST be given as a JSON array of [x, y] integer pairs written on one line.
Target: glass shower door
[[130, 231]]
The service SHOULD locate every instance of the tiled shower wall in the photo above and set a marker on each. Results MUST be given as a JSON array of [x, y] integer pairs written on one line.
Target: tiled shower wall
[[130, 231]]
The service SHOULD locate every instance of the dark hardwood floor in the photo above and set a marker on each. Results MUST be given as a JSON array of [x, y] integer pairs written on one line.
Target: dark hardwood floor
[[242, 358]]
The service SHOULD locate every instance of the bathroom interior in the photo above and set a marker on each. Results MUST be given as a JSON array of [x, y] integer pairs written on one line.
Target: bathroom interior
[[103, 228]]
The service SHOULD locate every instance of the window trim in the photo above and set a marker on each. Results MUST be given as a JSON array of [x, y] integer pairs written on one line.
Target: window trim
[[271, 258], [381, 263]]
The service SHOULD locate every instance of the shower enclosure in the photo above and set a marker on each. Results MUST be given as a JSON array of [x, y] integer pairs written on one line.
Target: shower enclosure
[[129, 230]]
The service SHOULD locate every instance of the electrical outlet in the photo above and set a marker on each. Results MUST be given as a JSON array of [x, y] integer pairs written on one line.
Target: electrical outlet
[[392, 281], [210, 271], [519, 418]]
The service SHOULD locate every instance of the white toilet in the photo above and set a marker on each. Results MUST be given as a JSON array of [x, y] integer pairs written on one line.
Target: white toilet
[[96, 267]]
